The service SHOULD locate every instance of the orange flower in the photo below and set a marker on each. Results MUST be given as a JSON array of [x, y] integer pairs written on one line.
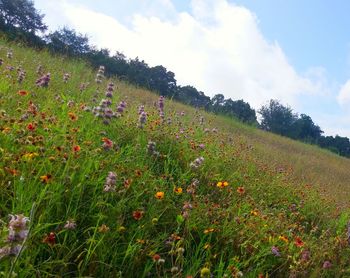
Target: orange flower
[[178, 190], [45, 178], [159, 195], [240, 190], [137, 214], [72, 116], [298, 242], [22, 92], [76, 148], [283, 238]]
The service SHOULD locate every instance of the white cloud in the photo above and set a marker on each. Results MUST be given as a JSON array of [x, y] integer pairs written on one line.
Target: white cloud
[[217, 47], [344, 94]]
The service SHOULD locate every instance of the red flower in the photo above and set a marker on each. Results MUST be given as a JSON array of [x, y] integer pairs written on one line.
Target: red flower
[[50, 239], [22, 92], [137, 214], [76, 148], [298, 242], [31, 127]]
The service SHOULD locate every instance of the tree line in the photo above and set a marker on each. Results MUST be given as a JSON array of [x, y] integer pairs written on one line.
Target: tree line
[[19, 20]]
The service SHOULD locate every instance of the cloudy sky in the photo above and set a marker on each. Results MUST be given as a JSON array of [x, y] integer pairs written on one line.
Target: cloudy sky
[[295, 51]]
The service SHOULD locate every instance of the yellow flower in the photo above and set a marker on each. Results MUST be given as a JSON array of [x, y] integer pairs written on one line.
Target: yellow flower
[[29, 156], [159, 195], [209, 230], [220, 184], [178, 190], [283, 238], [225, 183]]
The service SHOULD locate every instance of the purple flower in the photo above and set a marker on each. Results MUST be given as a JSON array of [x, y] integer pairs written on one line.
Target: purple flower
[[110, 182], [44, 80], [275, 251], [327, 264]]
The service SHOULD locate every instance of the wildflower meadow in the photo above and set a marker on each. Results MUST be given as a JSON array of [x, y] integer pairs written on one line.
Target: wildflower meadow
[[100, 178]]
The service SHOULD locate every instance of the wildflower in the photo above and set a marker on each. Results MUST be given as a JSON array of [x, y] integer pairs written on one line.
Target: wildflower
[[100, 74], [298, 242], [137, 214], [9, 54], [21, 74], [305, 255], [22, 92], [159, 195], [283, 238], [240, 190], [70, 224], [72, 116], [50, 239], [45, 178], [121, 106], [222, 184], [103, 228], [209, 230], [151, 148], [275, 251], [1, 61], [18, 227], [31, 127], [327, 264], [205, 272], [154, 221], [156, 257], [44, 80], [178, 190], [107, 144], [121, 229], [110, 89], [76, 148], [142, 119], [197, 163], [66, 77], [110, 182]]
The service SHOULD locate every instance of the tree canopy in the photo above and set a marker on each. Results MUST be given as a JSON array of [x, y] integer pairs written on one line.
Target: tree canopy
[[21, 15]]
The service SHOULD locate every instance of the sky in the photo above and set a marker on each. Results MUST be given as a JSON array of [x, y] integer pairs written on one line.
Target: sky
[[295, 51]]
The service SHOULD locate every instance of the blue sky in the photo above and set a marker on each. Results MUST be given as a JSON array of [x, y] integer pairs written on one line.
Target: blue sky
[[296, 51]]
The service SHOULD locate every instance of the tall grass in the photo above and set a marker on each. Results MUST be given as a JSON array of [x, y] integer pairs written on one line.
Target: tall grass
[[252, 207]]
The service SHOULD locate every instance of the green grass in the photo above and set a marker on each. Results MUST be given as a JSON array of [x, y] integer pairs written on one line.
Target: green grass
[[292, 196]]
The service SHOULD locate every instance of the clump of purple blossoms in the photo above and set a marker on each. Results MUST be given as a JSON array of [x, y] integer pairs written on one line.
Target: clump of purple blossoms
[[110, 89], [197, 162], [66, 77], [44, 80], [142, 119], [9, 54], [111, 180], [161, 107], [18, 232], [100, 74], [275, 251], [70, 224], [151, 148], [121, 106], [21, 74]]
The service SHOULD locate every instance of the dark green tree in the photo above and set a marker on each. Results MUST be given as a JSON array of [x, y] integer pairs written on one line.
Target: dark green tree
[[162, 81], [20, 15], [68, 42], [306, 130], [277, 118], [240, 110]]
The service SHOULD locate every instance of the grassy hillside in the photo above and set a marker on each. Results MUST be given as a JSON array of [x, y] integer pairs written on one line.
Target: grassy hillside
[[189, 194]]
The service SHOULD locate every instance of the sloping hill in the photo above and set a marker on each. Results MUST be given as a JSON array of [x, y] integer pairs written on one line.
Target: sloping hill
[[117, 182]]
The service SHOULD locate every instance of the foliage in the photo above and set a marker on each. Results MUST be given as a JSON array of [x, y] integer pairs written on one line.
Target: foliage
[[21, 15], [67, 41]]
